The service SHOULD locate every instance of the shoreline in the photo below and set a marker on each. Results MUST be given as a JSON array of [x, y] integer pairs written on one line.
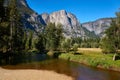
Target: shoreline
[[29, 74], [99, 67], [93, 59]]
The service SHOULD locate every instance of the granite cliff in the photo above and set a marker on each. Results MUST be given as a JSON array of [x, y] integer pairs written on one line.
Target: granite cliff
[[98, 26], [70, 24]]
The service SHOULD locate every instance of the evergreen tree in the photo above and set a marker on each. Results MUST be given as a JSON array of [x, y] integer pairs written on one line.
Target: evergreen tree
[[24, 40], [4, 27], [2, 11], [111, 42], [53, 35], [16, 29], [118, 30], [40, 45], [4, 37], [30, 39], [66, 45]]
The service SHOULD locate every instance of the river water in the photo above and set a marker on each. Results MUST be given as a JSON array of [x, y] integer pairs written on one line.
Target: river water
[[73, 69]]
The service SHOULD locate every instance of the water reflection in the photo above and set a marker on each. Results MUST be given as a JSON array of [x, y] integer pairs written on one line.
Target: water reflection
[[13, 59], [77, 71]]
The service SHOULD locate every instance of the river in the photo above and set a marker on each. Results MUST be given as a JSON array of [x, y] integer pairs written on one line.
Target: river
[[73, 69]]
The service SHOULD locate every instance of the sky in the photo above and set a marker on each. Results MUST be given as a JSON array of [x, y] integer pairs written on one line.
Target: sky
[[85, 10]]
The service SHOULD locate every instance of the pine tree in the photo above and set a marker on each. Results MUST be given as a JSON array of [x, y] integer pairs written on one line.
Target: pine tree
[[30, 39], [16, 29], [4, 28], [111, 42], [2, 12], [40, 45], [53, 35]]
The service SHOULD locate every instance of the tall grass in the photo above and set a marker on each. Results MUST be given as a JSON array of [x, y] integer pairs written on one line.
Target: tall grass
[[93, 58]]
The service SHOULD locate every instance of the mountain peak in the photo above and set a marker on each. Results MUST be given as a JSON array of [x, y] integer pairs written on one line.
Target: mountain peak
[[61, 12], [64, 11], [24, 3], [24, 7]]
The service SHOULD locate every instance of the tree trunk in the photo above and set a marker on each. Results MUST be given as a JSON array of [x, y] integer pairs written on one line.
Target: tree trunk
[[114, 57]]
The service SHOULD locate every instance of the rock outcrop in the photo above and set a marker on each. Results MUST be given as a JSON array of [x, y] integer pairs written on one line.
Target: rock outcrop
[[36, 22], [98, 26], [71, 25]]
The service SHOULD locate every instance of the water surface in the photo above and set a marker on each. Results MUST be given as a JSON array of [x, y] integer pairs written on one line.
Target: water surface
[[75, 70]]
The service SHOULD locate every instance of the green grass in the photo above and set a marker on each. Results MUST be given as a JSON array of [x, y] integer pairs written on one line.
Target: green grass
[[93, 58]]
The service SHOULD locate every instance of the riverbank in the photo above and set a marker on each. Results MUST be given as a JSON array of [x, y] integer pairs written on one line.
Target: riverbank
[[29, 74], [93, 57]]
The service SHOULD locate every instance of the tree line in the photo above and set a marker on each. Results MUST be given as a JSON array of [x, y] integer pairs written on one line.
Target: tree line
[[14, 39]]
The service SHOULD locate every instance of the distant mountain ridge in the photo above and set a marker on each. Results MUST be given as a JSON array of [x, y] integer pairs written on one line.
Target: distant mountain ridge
[[98, 26], [37, 22], [71, 25]]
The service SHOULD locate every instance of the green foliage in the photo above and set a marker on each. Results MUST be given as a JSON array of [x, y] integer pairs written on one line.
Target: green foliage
[[40, 45], [30, 39], [50, 39], [12, 34], [66, 45], [53, 36], [11, 30], [111, 42], [92, 58], [75, 47], [16, 29], [107, 46], [76, 40], [90, 43], [4, 36], [4, 28]]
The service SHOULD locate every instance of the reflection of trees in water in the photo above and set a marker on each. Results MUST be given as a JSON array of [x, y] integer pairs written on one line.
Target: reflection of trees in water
[[11, 58]]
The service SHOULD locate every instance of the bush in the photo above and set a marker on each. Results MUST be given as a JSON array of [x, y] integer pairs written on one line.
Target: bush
[[107, 46], [66, 45], [75, 47]]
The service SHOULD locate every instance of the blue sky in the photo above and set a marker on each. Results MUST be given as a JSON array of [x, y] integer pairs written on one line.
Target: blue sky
[[85, 10]]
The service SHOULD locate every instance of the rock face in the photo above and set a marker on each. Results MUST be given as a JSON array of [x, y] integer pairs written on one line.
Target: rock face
[[45, 17], [36, 22], [30, 19], [71, 26], [98, 26], [23, 7]]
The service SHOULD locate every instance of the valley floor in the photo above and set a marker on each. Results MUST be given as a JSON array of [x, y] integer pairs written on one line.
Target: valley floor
[[31, 75]]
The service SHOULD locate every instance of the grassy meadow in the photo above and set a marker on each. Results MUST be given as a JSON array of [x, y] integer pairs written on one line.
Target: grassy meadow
[[93, 57]]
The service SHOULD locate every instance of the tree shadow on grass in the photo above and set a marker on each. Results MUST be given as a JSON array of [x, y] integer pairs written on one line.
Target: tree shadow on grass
[[77, 53]]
